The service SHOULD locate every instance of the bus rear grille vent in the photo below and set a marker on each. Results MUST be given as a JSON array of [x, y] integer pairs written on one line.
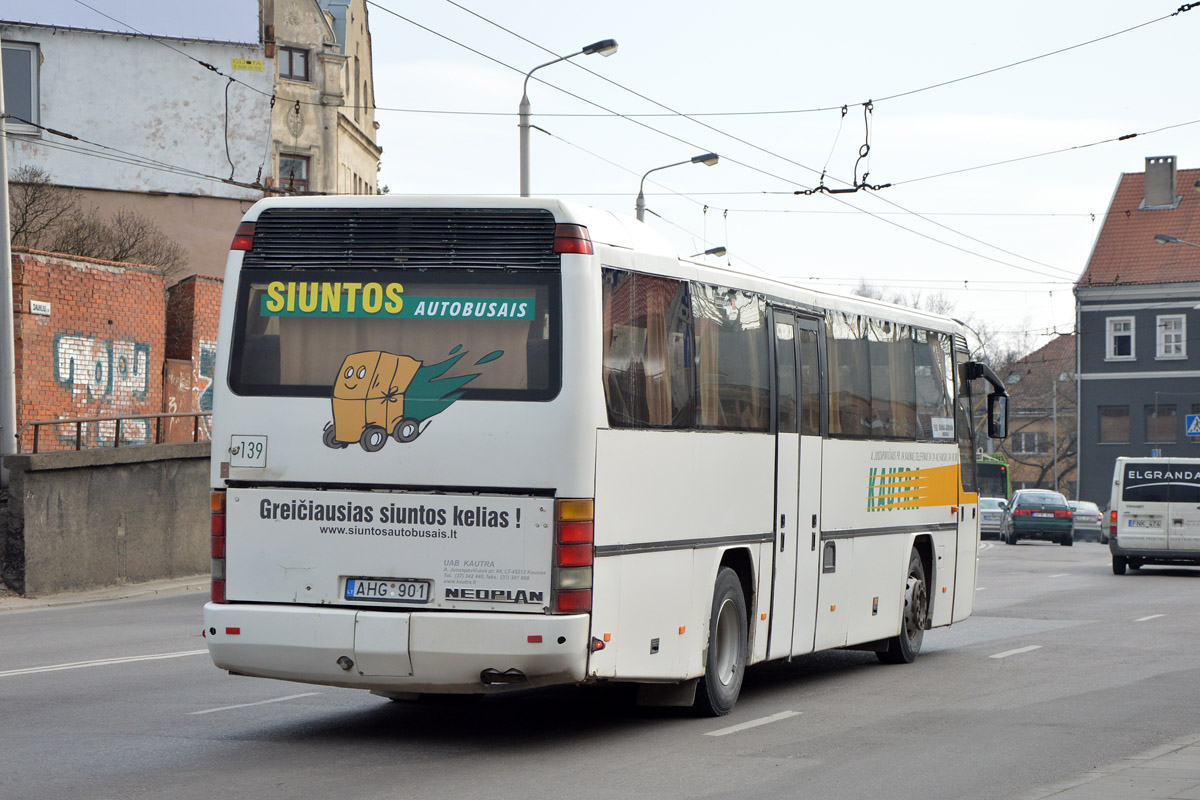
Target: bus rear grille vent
[[404, 237]]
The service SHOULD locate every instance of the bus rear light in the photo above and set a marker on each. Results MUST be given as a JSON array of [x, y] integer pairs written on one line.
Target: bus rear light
[[575, 532], [575, 600], [571, 239], [243, 239], [574, 555], [216, 503], [574, 578]]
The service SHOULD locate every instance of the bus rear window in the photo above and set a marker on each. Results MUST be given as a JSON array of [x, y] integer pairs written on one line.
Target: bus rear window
[[495, 333]]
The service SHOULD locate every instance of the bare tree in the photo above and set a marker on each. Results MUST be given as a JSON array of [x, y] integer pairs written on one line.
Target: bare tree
[[44, 216]]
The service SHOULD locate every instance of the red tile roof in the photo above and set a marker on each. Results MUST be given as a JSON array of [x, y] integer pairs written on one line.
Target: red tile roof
[[1125, 251], [1030, 381]]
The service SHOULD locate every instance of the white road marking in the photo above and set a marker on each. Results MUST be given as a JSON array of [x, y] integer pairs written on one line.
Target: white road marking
[[1018, 651], [981, 588], [1152, 616], [247, 705], [100, 663], [754, 723], [1061, 575]]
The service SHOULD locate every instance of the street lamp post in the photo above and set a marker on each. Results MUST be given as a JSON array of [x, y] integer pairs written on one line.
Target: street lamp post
[[707, 159], [605, 47]]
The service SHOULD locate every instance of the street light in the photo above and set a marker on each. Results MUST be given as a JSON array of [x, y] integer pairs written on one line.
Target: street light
[[605, 47], [712, 251], [1163, 238], [707, 159]]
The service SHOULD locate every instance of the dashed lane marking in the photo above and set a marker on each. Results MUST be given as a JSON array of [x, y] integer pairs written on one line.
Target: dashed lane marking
[[100, 663], [754, 723], [259, 703], [1152, 616], [1018, 651]]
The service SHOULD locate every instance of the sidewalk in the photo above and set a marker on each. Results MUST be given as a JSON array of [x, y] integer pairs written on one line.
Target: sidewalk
[[9, 601], [1169, 772]]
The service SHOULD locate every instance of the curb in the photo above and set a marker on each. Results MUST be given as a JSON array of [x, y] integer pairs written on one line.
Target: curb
[[16, 603]]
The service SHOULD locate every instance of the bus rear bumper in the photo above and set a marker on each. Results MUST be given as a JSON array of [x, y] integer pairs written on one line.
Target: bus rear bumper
[[398, 651]]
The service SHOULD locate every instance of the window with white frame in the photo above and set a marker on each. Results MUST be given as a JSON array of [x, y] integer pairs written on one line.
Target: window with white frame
[[1120, 339], [1029, 443], [1172, 336], [20, 63]]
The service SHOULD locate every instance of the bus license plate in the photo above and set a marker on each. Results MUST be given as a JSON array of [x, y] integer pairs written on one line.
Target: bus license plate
[[387, 590]]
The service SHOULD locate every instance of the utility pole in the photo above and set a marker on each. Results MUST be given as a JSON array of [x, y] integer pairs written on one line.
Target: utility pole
[[8, 367]]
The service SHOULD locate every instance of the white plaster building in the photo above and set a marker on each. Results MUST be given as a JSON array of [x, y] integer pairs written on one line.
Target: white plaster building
[[158, 132], [176, 121]]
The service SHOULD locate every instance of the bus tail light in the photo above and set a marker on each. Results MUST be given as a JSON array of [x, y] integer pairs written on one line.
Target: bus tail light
[[243, 238], [574, 553], [1112, 523], [572, 239], [217, 528]]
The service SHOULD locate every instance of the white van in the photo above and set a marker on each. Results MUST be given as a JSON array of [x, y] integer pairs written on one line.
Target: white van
[[1154, 516]]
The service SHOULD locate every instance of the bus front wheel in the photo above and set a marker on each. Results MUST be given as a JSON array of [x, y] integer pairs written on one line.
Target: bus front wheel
[[725, 662], [903, 649]]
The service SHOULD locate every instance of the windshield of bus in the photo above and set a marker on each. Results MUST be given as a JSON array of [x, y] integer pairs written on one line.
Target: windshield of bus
[[478, 333]]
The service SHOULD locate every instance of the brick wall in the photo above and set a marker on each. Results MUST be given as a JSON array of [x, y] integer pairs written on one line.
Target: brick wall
[[100, 349], [193, 310]]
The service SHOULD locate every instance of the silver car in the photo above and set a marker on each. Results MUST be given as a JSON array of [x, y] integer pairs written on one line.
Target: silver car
[[991, 512], [1089, 520]]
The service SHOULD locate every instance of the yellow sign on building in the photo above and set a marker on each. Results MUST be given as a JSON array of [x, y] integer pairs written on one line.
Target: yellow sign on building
[[248, 64]]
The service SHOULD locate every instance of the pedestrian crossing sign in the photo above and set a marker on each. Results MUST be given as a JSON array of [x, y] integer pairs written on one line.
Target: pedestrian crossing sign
[[1193, 424]]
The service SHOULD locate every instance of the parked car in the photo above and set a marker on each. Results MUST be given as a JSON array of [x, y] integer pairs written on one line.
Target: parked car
[[1089, 520], [991, 514], [1038, 514]]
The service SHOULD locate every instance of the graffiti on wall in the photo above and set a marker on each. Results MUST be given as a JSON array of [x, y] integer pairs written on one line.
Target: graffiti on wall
[[103, 376]]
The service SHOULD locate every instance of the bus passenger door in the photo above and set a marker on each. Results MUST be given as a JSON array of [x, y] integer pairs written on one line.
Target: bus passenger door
[[808, 568], [787, 487]]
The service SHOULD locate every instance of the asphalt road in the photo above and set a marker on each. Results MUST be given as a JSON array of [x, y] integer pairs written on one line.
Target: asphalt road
[[1063, 667]]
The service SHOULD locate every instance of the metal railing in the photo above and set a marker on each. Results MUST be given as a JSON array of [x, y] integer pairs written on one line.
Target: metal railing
[[88, 431]]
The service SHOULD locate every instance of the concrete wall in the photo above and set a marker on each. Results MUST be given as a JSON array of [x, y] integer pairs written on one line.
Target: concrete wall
[[94, 518]]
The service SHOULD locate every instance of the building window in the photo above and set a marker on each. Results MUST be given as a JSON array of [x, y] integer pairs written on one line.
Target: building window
[[1029, 443], [293, 63], [1114, 424], [1161, 424], [1172, 336], [293, 172], [1120, 339], [20, 63]]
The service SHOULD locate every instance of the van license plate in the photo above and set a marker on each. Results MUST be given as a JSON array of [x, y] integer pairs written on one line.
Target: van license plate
[[1143, 523], [388, 590]]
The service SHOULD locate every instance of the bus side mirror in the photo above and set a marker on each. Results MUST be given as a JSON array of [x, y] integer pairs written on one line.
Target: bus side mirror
[[997, 410]]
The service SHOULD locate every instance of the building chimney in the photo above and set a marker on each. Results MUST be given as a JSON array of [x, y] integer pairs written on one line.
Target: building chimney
[[1160, 182]]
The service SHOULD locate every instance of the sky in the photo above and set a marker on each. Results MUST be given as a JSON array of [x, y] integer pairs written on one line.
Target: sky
[[1041, 91], [1004, 244]]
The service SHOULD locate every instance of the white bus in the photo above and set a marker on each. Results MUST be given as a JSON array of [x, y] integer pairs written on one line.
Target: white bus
[[472, 445]]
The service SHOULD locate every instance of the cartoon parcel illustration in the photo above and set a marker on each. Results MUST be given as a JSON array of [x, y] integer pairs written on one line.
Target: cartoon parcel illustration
[[379, 394], [368, 400]]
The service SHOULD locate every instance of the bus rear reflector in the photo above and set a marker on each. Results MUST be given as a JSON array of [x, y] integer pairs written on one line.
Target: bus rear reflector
[[243, 239], [571, 239], [218, 591]]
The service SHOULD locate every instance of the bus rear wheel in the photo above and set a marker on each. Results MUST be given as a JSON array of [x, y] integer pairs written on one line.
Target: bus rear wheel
[[903, 649], [725, 662]]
